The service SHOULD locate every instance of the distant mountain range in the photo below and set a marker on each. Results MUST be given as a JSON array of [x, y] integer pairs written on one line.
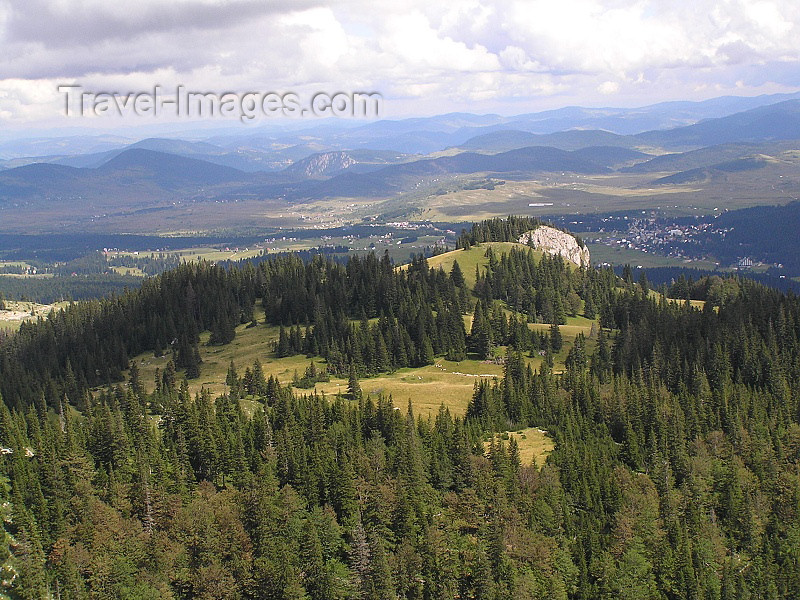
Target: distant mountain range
[[779, 121], [159, 172], [274, 146], [330, 174]]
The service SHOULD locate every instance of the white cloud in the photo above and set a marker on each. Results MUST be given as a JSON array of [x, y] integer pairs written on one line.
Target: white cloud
[[767, 18], [608, 87], [411, 39], [425, 57]]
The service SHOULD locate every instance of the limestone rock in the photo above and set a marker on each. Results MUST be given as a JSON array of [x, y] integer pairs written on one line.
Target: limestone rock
[[554, 241]]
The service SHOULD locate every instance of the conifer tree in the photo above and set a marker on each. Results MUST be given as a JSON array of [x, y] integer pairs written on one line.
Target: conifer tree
[[353, 387], [456, 275], [556, 340]]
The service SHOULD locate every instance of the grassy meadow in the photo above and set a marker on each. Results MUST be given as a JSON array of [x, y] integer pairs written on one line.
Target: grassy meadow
[[445, 382], [17, 313], [427, 388], [533, 443]]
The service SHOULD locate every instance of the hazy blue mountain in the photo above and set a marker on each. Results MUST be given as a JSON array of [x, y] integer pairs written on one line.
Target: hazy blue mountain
[[503, 140], [779, 121], [607, 126], [134, 173], [275, 145], [40, 180], [246, 159], [531, 159], [167, 170], [717, 171], [41, 173], [51, 146], [243, 159], [352, 160], [712, 155], [628, 121], [535, 159], [610, 156], [326, 164]]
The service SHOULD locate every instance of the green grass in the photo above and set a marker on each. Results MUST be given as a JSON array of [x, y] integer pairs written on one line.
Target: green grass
[[534, 445], [427, 387], [695, 303], [18, 312], [250, 344], [134, 271], [469, 259], [600, 253], [569, 332], [445, 382]]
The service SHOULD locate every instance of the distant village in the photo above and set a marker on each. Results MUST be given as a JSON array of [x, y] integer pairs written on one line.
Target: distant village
[[656, 236]]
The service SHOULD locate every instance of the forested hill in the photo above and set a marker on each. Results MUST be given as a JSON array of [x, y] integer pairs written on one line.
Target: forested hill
[[510, 229], [675, 474], [419, 313]]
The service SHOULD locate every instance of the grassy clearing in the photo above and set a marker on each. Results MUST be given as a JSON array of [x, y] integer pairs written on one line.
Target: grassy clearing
[[469, 259], [601, 253], [429, 387], [18, 312], [250, 344], [134, 271], [426, 387], [570, 331], [215, 255], [534, 445], [700, 304]]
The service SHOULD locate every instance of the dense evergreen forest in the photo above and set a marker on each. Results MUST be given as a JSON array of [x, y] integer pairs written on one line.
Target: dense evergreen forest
[[689, 276], [48, 290], [675, 474]]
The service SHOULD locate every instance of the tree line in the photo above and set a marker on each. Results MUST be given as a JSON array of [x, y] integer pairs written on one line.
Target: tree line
[[365, 313], [675, 473]]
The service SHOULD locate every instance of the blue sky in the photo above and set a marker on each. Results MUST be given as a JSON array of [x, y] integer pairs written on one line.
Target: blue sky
[[424, 57]]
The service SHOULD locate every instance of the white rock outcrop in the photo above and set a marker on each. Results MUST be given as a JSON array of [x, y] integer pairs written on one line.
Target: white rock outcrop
[[323, 164], [554, 241]]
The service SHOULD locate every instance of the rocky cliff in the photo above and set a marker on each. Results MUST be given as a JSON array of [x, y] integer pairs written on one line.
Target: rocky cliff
[[554, 241], [323, 164]]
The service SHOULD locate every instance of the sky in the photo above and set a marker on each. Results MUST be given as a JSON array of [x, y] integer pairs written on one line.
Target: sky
[[480, 56]]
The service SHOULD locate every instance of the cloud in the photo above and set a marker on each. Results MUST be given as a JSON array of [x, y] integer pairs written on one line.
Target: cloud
[[60, 23], [480, 55], [608, 87]]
